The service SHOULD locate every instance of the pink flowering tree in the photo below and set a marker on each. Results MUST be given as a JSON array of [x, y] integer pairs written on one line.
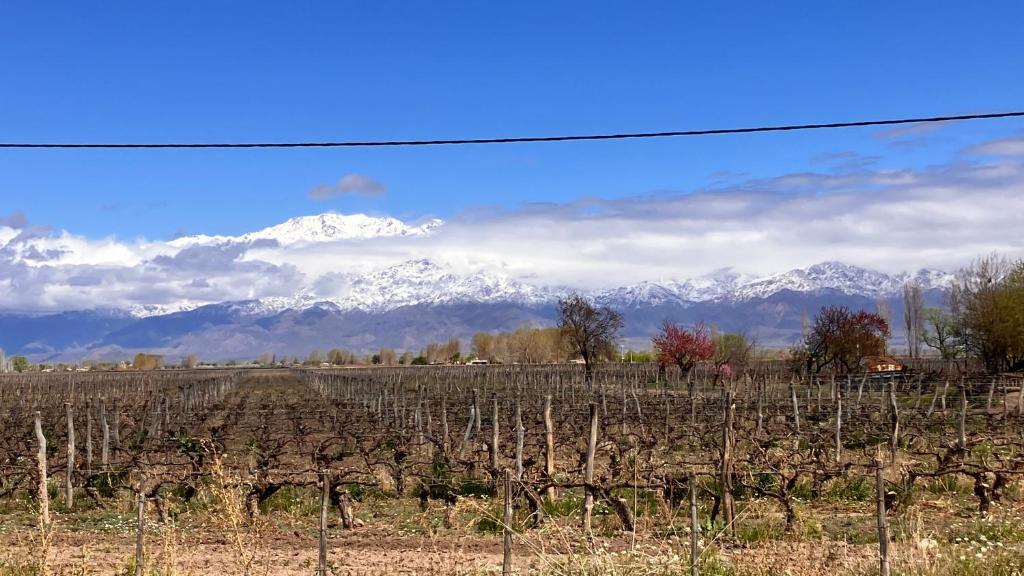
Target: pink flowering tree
[[682, 347]]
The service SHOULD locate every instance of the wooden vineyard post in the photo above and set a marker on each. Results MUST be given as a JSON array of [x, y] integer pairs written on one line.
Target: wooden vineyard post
[[444, 426], [520, 440], [728, 506], [469, 428], [588, 502], [88, 437], [44, 496], [69, 486], [325, 502], [506, 561], [549, 448], [796, 408], [140, 530], [105, 448], [883, 528], [839, 426], [961, 440], [760, 407], [494, 439], [895, 419], [476, 411], [694, 527], [116, 428]]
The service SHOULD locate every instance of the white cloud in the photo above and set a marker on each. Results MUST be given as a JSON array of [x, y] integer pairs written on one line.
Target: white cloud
[[351, 184], [1003, 147], [891, 220]]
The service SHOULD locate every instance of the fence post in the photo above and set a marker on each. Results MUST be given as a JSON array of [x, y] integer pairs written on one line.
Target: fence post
[[962, 430], [796, 408], [105, 448], [588, 502], [728, 505], [69, 486], [88, 437], [839, 426], [894, 417], [694, 527], [325, 502], [140, 530], [883, 528], [520, 439], [44, 496], [549, 448], [476, 411], [494, 438], [506, 561]]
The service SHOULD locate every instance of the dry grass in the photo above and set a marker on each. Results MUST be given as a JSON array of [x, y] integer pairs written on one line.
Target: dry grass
[[938, 536]]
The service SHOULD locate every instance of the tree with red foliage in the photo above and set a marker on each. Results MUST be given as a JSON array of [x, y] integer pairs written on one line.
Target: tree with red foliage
[[841, 339], [682, 347]]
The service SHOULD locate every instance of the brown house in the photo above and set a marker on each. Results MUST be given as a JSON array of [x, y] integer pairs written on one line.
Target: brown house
[[881, 364]]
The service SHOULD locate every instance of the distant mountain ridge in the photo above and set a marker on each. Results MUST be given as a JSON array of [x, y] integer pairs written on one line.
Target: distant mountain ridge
[[409, 304]]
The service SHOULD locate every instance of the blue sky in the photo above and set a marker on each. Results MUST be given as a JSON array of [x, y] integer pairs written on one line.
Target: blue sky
[[243, 71]]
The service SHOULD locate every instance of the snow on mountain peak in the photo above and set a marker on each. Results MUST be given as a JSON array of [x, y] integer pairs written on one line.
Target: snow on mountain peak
[[840, 277], [424, 282], [147, 310], [326, 227]]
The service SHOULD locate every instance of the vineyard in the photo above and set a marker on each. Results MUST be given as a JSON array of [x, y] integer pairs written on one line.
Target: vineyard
[[522, 469]]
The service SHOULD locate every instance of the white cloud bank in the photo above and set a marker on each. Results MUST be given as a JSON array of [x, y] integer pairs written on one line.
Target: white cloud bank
[[891, 220]]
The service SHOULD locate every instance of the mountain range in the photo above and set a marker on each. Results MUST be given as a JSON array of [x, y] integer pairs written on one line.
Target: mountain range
[[410, 303]]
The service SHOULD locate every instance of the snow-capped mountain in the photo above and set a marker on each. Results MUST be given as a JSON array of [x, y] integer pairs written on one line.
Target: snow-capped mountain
[[409, 304], [642, 294], [842, 278], [403, 305], [147, 310], [424, 282], [320, 228], [730, 286]]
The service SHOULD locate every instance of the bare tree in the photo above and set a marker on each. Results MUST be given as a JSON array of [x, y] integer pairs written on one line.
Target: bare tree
[[945, 335], [590, 330], [913, 317]]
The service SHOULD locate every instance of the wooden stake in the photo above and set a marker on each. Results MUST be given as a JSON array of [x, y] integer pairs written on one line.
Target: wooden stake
[[44, 495], [839, 427], [549, 448], [506, 561], [694, 528], [520, 440], [883, 528], [325, 502], [962, 431], [140, 531], [588, 502], [69, 486]]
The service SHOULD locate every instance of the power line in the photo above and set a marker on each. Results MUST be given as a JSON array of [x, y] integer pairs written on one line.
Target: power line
[[564, 138]]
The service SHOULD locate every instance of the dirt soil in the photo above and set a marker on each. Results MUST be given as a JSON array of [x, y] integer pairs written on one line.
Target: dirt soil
[[354, 553]]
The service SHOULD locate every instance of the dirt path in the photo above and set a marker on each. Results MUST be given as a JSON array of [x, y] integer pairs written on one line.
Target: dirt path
[[208, 552]]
